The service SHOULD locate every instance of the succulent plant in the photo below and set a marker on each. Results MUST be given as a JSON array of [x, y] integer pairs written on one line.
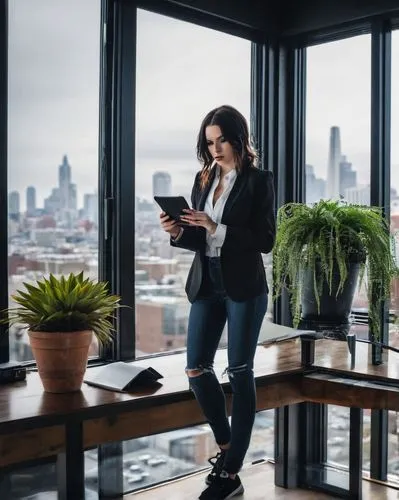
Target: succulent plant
[[65, 305]]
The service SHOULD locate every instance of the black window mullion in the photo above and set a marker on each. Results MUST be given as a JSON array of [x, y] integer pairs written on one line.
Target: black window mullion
[[379, 445], [289, 129], [299, 124], [380, 184], [118, 169], [4, 339], [380, 179], [263, 105], [105, 240], [295, 124], [257, 93], [124, 172]]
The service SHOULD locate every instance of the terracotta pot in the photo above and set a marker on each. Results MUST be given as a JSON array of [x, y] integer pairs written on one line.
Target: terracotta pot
[[61, 358]]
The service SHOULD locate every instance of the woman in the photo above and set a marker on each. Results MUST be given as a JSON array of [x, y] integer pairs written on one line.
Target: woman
[[230, 225]]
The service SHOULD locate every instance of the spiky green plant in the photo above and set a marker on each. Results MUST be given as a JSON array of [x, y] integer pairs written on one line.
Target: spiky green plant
[[65, 305], [331, 232]]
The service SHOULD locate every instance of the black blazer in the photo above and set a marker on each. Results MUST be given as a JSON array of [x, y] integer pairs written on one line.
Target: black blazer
[[251, 228]]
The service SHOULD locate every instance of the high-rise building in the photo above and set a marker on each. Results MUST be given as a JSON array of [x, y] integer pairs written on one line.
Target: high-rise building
[[334, 159], [315, 186], [64, 183], [13, 204], [73, 197], [161, 184], [64, 172], [90, 207], [52, 203], [359, 195], [347, 176], [30, 201]]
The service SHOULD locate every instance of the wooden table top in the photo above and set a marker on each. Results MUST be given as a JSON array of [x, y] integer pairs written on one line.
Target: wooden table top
[[334, 355], [26, 401]]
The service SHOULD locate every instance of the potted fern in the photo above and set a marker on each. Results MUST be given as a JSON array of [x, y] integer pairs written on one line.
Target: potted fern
[[62, 314], [323, 251]]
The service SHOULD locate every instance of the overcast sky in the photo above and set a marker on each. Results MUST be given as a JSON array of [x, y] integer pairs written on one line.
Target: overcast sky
[[183, 71]]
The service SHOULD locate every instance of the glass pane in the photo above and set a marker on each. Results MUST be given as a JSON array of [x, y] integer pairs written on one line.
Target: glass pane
[[338, 166], [338, 126], [394, 304], [154, 459], [36, 482], [53, 144], [338, 435], [183, 71], [393, 444]]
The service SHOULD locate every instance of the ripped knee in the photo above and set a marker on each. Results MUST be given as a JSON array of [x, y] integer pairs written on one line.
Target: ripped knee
[[244, 369], [197, 372]]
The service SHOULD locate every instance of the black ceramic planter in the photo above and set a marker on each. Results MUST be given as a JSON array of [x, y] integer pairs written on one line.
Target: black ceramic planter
[[333, 317]]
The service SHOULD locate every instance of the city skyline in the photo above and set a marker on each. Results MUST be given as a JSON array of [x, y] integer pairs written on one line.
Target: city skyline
[[162, 184], [63, 193], [53, 99]]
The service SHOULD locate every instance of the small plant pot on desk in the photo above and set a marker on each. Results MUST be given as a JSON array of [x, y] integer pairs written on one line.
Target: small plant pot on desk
[[61, 358], [62, 315]]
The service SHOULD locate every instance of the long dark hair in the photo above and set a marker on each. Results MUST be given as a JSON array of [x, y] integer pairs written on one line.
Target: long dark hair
[[235, 130]]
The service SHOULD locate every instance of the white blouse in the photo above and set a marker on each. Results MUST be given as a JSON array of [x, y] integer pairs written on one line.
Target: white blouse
[[214, 242]]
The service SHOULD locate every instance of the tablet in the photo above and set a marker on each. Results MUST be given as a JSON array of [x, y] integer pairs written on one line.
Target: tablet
[[172, 205]]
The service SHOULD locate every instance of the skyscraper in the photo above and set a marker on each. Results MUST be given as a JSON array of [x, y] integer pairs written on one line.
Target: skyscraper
[[64, 182], [161, 184], [347, 176], [73, 197], [334, 160], [64, 172], [30, 201], [13, 204], [315, 187], [90, 207]]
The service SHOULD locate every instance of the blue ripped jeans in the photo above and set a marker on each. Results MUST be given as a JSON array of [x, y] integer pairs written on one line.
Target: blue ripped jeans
[[207, 319]]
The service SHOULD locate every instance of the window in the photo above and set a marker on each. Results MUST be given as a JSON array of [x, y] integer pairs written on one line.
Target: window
[[393, 460], [157, 458], [338, 128], [338, 121], [183, 71], [52, 144], [338, 162]]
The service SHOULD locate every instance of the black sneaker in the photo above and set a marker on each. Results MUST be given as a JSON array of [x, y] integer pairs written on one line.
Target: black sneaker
[[217, 466], [223, 488]]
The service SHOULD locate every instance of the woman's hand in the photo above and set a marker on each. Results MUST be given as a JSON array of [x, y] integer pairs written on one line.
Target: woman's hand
[[196, 218], [169, 225]]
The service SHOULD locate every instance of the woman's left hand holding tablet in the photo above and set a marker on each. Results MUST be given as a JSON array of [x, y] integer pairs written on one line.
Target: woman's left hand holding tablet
[[169, 225]]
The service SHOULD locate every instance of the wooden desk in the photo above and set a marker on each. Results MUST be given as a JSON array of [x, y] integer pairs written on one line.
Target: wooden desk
[[34, 424]]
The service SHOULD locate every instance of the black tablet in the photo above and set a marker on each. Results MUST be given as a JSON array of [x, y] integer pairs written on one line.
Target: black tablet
[[172, 205]]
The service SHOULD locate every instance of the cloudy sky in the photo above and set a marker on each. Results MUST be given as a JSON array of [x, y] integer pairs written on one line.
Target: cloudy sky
[[183, 71], [338, 93]]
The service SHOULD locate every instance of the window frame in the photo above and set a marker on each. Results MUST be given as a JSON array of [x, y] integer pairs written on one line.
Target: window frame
[[379, 28], [119, 153], [278, 84], [4, 292], [4, 338]]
